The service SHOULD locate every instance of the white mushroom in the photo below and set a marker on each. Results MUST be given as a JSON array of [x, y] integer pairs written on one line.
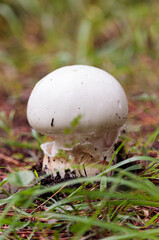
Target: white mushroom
[[64, 95]]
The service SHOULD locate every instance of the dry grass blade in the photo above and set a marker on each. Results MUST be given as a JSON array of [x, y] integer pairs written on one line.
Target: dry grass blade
[[9, 159], [49, 198]]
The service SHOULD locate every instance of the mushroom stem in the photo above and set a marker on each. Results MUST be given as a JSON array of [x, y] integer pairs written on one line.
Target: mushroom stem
[[92, 153]]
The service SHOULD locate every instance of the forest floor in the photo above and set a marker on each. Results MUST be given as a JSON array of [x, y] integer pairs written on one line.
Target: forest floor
[[20, 151]]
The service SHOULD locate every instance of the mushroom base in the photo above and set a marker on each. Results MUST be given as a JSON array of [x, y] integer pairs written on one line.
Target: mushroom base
[[85, 158], [75, 162]]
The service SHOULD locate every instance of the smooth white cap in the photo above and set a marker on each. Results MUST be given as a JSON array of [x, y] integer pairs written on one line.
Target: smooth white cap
[[67, 92]]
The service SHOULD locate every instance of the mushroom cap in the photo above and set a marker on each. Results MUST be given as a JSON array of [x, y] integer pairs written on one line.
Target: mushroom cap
[[75, 90]]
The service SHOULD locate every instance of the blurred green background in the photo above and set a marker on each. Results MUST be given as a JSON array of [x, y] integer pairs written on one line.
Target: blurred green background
[[38, 36]]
